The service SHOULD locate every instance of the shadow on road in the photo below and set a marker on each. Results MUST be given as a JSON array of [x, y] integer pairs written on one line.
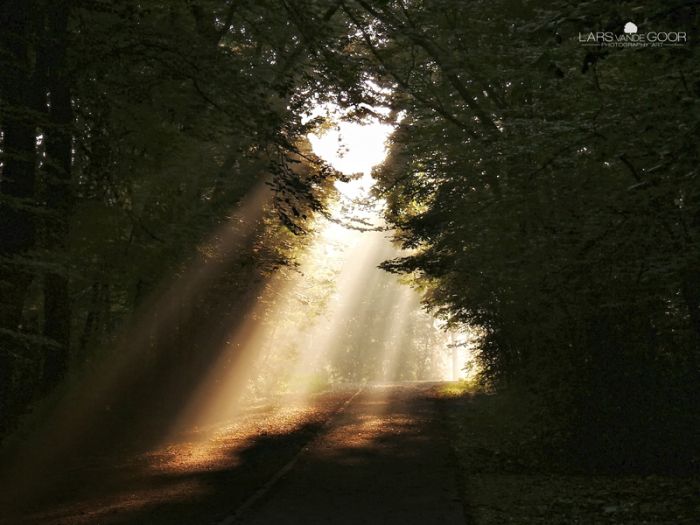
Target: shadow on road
[[383, 459]]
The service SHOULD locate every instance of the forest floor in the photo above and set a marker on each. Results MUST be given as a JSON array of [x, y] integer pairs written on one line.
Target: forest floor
[[503, 483]]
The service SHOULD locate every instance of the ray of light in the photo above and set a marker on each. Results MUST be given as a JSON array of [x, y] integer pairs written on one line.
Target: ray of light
[[395, 332], [219, 395], [294, 336], [77, 421], [357, 274]]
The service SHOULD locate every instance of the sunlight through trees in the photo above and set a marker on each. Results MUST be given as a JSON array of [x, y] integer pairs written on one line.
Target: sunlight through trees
[[209, 203]]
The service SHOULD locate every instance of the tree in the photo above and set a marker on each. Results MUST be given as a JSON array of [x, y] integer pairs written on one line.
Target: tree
[[551, 204], [130, 131]]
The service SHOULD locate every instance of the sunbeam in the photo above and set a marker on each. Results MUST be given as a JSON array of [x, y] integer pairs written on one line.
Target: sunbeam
[[253, 252], [336, 318], [87, 418]]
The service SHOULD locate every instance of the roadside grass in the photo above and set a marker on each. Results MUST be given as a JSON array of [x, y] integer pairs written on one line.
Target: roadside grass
[[456, 389], [508, 477]]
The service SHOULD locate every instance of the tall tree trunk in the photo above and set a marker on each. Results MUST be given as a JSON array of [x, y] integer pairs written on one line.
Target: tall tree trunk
[[17, 186], [59, 196], [91, 320]]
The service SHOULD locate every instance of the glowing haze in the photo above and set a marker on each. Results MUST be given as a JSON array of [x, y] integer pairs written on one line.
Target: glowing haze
[[338, 318], [351, 147]]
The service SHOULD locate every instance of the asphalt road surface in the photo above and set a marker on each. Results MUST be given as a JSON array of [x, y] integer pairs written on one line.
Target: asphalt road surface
[[377, 455], [383, 460]]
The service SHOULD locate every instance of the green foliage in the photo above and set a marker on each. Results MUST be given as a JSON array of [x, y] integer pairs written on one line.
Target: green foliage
[[181, 110], [550, 193]]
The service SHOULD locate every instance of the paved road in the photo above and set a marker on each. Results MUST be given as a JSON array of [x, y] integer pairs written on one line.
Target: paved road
[[383, 460], [379, 456]]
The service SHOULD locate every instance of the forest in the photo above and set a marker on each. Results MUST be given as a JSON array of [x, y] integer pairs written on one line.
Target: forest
[[159, 192]]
